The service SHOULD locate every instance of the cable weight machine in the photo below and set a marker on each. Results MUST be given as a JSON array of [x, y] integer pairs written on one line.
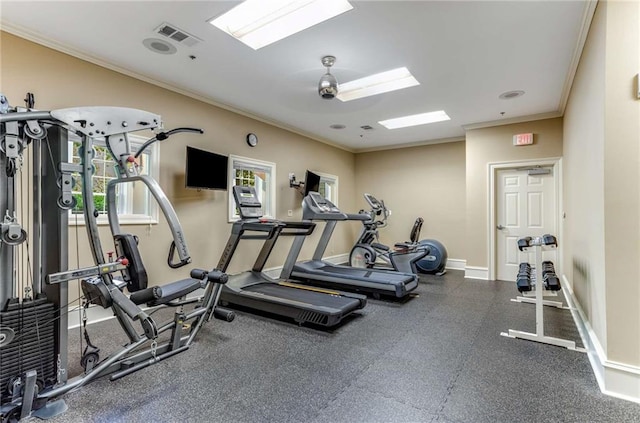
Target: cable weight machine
[[34, 297]]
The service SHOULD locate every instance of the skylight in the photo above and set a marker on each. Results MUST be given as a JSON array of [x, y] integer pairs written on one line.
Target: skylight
[[258, 23], [379, 83], [414, 120]]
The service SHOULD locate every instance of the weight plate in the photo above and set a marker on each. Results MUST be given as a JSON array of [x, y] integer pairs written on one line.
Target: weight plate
[[6, 336]]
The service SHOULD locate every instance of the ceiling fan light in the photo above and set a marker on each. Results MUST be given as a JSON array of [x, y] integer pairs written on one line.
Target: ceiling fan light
[[328, 86], [258, 23]]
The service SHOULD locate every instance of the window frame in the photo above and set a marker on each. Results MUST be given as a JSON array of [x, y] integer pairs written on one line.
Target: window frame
[[150, 218], [269, 167]]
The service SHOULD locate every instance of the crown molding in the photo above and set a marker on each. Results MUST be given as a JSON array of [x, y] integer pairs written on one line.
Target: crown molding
[[587, 17], [509, 121], [20, 31], [410, 144]]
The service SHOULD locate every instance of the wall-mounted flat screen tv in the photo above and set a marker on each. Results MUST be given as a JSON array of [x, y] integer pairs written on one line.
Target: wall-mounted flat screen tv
[[311, 182], [205, 170]]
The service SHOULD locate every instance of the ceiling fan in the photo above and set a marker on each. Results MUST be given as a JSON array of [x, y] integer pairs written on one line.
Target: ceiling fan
[[328, 85]]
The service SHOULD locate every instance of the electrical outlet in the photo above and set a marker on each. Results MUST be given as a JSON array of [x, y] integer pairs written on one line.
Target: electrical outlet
[[290, 213]]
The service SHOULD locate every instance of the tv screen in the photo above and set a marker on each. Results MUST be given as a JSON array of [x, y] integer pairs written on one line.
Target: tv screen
[[311, 182], [205, 170]]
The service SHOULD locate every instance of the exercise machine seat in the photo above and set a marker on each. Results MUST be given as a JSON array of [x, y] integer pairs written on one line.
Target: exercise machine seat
[[159, 295], [135, 275]]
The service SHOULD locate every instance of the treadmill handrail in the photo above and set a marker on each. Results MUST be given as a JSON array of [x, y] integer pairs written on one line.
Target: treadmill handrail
[[271, 227], [358, 216], [297, 228]]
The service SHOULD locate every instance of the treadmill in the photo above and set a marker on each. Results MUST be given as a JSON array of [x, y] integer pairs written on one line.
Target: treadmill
[[255, 290], [318, 272]]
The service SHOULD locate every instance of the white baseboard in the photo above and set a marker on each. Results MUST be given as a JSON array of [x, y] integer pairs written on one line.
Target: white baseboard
[[456, 264], [618, 380], [339, 259], [475, 272]]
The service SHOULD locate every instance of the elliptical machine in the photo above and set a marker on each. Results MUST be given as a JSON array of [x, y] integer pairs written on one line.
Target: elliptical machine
[[413, 256]]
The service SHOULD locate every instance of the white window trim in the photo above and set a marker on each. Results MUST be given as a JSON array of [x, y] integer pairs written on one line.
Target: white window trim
[[333, 179], [129, 219], [231, 178]]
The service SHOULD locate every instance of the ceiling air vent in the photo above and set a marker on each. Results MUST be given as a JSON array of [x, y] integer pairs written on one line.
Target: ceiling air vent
[[366, 127], [178, 35]]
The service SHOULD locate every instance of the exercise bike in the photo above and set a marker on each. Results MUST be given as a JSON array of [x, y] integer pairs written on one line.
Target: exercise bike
[[413, 256]]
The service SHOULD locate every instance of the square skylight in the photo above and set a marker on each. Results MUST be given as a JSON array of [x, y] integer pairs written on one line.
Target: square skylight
[[258, 23], [378, 83], [414, 120]]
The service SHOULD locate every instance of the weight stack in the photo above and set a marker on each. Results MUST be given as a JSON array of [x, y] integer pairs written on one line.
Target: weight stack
[[33, 344]]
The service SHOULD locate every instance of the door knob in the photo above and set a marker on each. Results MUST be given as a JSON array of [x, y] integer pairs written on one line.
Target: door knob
[[500, 227]]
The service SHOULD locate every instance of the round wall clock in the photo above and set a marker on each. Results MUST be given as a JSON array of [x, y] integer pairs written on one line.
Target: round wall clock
[[252, 140]]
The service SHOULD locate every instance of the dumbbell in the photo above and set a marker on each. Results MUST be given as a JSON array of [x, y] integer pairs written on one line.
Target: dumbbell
[[551, 282], [547, 267], [523, 282], [548, 239], [524, 267], [524, 243]]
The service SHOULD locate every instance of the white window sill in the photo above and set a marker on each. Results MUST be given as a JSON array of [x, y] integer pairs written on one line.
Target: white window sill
[[123, 220]]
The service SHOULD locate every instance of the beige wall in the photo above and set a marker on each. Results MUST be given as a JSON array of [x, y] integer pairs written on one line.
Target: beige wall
[[495, 145], [602, 138], [583, 239], [622, 182], [426, 181], [60, 81]]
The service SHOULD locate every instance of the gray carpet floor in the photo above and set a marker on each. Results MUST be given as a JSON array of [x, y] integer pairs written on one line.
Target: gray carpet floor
[[438, 357]]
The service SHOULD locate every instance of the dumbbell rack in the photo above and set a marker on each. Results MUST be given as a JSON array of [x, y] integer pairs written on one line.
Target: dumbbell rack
[[537, 244]]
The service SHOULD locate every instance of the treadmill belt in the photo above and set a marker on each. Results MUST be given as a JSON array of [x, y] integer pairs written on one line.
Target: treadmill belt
[[347, 270], [300, 295]]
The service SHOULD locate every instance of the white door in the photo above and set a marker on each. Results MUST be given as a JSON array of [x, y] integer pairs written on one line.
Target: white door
[[526, 206]]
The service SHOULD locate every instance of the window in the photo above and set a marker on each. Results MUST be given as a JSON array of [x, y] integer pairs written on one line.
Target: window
[[248, 172], [328, 186], [135, 203]]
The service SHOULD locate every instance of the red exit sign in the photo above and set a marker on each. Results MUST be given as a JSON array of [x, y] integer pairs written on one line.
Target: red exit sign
[[523, 139]]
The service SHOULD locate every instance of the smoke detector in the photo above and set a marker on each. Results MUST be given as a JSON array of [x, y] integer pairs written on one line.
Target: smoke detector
[[511, 94], [159, 46]]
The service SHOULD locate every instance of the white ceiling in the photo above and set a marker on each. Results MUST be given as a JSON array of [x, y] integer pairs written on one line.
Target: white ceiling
[[464, 53]]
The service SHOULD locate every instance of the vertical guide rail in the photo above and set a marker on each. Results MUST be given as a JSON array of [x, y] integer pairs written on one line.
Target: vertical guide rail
[[6, 251], [51, 222]]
